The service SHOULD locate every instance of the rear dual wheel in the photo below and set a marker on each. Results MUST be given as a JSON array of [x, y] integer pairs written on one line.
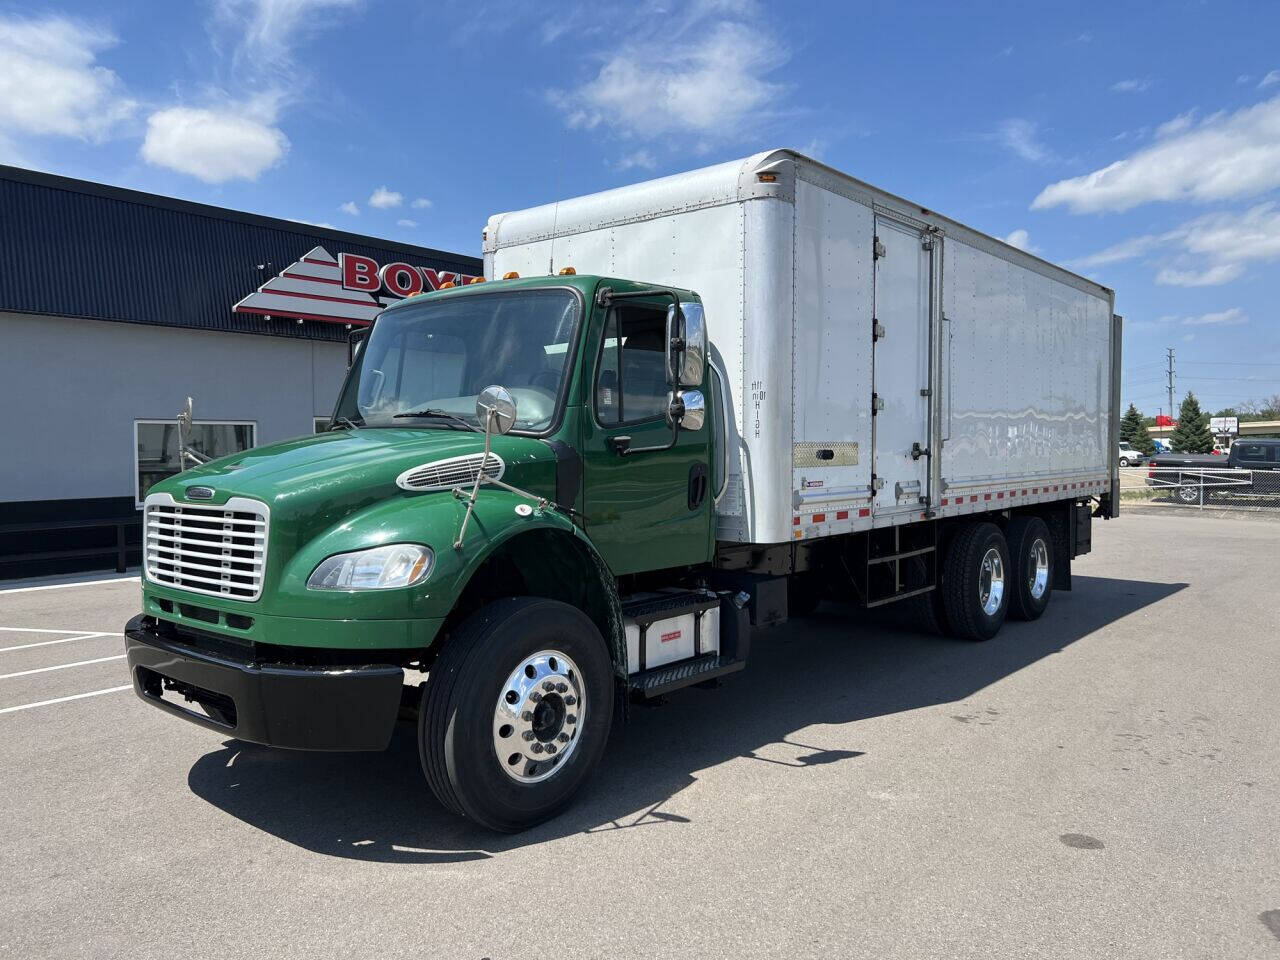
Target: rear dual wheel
[[989, 575], [516, 712]]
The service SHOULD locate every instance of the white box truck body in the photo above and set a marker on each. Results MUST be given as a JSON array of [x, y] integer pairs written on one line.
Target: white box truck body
[[882, 364]]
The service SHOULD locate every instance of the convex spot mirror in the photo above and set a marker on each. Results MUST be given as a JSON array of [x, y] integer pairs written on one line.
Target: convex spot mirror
[[496, 409], [686, 344], [693, 409]]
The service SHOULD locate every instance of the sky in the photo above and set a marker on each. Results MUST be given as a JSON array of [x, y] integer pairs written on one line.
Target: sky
[[1136, 143]]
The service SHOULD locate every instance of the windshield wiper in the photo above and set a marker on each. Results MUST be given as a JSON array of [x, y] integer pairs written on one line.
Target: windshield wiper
[[339, 422], [440, 415]]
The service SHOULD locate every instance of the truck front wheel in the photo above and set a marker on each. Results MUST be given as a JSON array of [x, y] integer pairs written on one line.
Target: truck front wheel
[[975, 582], [516, 712]]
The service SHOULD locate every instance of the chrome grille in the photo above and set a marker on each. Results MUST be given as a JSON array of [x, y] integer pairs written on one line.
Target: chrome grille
[[450, 473], [215, 550]]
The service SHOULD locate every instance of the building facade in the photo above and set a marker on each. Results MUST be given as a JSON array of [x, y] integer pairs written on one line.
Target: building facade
[[116, 306]]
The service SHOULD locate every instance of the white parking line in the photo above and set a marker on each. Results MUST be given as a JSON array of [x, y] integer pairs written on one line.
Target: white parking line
[[74, 696], [61, 666], [46, 643], [40, 630], [73, 583]]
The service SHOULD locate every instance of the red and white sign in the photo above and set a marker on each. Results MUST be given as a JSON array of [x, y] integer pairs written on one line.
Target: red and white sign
[[351, 289]]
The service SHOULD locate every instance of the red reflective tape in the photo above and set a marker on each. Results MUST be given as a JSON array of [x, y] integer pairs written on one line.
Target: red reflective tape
[[974, 498], [842, 514], [795, 521], [1024, 493], [986, 496], [864, 512], [819, 518], [944, 501], [999, 495]]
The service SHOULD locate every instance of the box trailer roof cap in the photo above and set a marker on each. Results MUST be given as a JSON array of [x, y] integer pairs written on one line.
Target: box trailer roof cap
[[770, 173]]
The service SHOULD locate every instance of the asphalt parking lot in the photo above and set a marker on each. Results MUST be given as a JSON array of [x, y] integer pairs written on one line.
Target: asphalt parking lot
[[1102, 783]]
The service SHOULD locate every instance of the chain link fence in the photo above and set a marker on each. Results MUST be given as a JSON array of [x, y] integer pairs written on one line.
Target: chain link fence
[[1201, 486]]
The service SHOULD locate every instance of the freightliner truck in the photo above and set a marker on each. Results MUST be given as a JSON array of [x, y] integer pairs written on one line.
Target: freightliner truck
[[671, 413]]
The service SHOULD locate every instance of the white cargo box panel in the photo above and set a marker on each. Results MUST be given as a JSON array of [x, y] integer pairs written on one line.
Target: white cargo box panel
[[882, 363]]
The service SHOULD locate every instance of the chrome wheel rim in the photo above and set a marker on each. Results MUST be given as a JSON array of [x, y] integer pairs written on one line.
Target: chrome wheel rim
[[991, 582], [1189, 494], [538, 719], [1038, 569]]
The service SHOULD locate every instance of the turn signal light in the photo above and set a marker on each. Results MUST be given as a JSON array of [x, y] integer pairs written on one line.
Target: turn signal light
[[568, 272], [475, 280], [446, 285], [511, 275], [767, 177]]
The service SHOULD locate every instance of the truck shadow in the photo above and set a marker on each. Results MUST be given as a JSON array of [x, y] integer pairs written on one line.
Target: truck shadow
[[836, 667]]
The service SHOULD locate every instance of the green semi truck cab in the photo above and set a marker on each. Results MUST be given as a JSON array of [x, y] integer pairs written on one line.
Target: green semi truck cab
[[290, 589]]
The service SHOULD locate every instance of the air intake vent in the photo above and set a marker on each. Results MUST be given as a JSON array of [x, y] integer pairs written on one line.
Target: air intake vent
[[450, 473]]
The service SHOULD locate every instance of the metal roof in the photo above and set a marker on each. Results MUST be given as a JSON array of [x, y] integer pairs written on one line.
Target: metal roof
[[82, 249]]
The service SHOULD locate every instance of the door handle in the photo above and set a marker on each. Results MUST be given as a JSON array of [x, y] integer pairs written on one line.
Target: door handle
[[697, 485]]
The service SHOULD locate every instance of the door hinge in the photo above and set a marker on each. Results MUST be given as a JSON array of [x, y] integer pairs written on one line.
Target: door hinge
[[877, 249], [877, 483], [918, 451], [926, 392], [877, 403], [877, 330], [926, 243]]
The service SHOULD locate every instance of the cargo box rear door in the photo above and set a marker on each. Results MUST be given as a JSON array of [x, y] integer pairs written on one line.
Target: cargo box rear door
[[903, 310]]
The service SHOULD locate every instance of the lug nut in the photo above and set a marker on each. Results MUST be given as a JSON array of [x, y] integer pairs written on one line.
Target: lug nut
[[563, 738], [536, 748], [562, 687], [548, 685], [551, 748], [535, 696], [527, 716], [570, 700], [571, 718], [528, 734]]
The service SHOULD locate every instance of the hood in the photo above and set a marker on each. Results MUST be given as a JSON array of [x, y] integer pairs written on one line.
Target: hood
[[313, 482]]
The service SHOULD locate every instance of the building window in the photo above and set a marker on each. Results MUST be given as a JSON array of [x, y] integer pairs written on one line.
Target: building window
[[321, 424], [156, 443]]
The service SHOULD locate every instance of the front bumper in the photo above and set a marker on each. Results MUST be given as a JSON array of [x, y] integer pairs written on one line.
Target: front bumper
[[279, 705]]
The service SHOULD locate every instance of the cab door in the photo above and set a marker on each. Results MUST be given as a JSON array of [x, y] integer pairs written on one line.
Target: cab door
[[644, 510]]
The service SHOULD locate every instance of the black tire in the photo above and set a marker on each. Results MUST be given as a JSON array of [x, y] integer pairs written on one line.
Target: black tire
[[456, 723], [804, 593], [962, 572], [926, 610], [1124, 461], [1028, 539]]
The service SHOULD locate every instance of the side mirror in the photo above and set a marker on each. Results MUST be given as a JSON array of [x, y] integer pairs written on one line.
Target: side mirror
[[496, 409], [695, 409], [686, 345]]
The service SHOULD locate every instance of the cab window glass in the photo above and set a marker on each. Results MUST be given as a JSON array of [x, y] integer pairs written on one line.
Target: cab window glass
[[631, 384]]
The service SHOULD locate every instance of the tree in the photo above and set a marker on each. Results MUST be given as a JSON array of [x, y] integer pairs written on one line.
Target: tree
[[1192, 433], [1133, 428]]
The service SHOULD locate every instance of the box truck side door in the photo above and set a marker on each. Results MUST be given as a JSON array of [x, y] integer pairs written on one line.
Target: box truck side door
[[900, 372], [646, 510]]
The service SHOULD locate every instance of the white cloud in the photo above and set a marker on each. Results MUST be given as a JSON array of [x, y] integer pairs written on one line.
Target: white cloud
[[1225, 156], [641, 159], [1271, 78], [267, 31], [1022, 137], [422, 203], [216, 144], [350, 208], [1209, 250], [1233, 317], [1022, 240], [1212, 277], [705, 76], [1132, 85], [50, 83], [406, 222], [385, 199]]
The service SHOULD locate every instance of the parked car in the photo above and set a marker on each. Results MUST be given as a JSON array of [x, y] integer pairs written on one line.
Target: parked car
[[1130, 455], [1251, 468]]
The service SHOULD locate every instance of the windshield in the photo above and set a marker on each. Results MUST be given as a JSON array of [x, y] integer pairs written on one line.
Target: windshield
[[433, 358]]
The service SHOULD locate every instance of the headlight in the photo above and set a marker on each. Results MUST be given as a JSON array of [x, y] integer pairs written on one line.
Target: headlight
[[381, 568]]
